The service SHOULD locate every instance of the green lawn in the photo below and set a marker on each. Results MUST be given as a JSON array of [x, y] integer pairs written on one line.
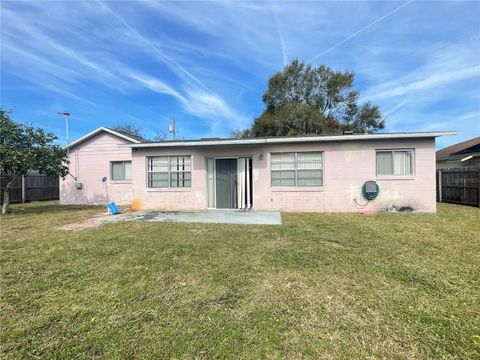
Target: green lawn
[[319, 286]]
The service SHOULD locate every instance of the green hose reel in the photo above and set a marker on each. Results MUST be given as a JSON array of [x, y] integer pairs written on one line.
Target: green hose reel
[[370, 190]]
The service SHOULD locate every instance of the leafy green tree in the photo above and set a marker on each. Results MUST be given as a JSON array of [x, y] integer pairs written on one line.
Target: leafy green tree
[[303, 99], [23, 149]]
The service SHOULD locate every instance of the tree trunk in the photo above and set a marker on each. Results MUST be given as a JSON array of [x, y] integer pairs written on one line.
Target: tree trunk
[[6, 198]]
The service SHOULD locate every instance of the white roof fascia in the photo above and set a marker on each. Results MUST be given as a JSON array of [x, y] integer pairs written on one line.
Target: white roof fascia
[[287, 140], [98, 130]]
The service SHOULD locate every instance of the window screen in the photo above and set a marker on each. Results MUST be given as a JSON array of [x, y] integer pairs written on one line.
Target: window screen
[[283, 169], [395, 162], [297, 169], [121, 170], [169, 171], [309, 169]]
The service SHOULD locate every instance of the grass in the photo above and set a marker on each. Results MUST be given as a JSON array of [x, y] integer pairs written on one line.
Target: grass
[[320, 286]]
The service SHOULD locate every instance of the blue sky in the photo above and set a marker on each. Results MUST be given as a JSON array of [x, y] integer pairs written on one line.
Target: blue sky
[[207, 63]]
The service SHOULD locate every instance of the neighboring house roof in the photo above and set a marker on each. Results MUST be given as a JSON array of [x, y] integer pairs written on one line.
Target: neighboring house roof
[[460, 151], [292, 139], [132, 138]]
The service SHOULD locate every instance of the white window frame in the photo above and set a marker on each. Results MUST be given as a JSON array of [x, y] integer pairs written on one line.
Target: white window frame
[[295, 169], [123, 162], [395, 176], [170, 172]]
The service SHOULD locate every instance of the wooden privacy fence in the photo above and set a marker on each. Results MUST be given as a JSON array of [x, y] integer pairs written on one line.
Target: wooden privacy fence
[[33, 187], [459, 186]]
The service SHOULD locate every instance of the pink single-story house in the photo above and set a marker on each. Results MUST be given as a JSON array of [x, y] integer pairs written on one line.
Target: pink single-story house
[[320, 173]]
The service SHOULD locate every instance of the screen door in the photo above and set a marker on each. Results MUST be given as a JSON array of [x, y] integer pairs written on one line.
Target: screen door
[[226, 183]]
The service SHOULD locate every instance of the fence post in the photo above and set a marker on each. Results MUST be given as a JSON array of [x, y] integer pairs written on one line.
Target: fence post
[[439, 185], [23, 189], [478, 191]]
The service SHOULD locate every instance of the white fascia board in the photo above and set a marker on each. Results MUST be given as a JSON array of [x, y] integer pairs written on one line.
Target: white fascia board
[[466, 158], [289, 140], [469, 157], [98, 130]]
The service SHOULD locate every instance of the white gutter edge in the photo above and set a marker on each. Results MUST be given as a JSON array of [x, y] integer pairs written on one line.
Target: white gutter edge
[[286, 140], [468, 157]]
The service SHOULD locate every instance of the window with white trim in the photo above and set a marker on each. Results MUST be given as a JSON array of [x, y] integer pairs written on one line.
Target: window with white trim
[[395, 162], [169, 171], [121, 170], [297, 169]]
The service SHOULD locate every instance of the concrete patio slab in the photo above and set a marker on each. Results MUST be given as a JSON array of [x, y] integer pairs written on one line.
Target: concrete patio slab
[[207, 216], [213, 217]]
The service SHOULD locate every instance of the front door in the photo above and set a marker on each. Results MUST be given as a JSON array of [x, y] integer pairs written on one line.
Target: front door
[[226, 183]]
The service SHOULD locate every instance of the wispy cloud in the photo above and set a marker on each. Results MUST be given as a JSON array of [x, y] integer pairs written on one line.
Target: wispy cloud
[[49, 64], [208, 63], [56, 78], [431, 81], [280, 37], [70, 68], [358, 32], [439, 71], [212, 106], [395, 108], [473, 115], [168, 60], [154, 84], [198, 102]]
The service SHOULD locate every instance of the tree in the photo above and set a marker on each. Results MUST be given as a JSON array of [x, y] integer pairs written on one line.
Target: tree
[[239, 134], [129, 129], [23, 149], [160, 137], [303, 99]]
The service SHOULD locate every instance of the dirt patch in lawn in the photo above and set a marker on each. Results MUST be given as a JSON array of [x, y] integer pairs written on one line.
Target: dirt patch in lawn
[[98, 221], [83, 225]]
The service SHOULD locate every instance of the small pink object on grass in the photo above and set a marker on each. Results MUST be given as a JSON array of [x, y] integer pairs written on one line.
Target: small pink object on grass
[[367, 213]]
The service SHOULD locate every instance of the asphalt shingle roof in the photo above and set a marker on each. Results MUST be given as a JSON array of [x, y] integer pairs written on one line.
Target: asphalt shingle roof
[[471, 146]]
